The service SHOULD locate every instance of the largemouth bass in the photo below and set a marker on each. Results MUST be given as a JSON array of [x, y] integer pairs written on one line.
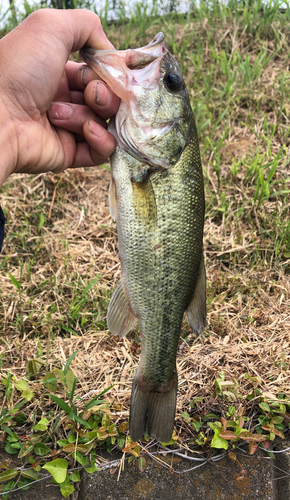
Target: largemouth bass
[[157, 198]]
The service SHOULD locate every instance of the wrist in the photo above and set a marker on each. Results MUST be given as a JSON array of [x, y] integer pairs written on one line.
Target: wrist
[[8, 144]]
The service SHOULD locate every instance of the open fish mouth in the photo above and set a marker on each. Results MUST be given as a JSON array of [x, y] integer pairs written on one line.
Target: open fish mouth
[[150, 84], [122, 70]]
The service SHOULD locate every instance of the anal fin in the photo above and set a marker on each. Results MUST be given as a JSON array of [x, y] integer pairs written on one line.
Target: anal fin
[[120, 318], [196, 311]]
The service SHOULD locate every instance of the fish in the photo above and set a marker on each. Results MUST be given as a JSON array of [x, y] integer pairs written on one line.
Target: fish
[[156, 196]]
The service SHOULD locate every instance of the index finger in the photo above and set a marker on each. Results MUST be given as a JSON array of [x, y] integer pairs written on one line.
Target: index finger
[[79, 75]]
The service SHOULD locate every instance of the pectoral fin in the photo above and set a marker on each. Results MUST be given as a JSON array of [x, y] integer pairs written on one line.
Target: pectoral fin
[[196, 311], [144, 202], [120, 318]]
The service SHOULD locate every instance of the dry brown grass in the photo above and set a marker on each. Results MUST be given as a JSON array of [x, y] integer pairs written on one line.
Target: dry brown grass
[[248, 330]]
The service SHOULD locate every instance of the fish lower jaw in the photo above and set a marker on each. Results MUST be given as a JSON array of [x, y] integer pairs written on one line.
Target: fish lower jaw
[[144, 150]]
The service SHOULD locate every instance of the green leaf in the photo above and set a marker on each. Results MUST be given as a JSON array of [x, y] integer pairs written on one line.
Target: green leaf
[[8, 448], [28, 395], [121, 442], [21, 385], [8, 430], [280, 427], [81, 459], [217, 441], [19, 405], [136, 450], [34, 366], [93, 434], [62, 404], [264, 407], [186, 417], [24, 483], [62, 442], [197, 425], [41, 425], [8, 385], [91, 469], [66, 487], [30, 474], [57, 469], [16, 445], [20, 418], [26, 448], [72, 392], [12, 438], [8, 474], [277, 420], [75, 476], [141, 464], [8, 487], [95, 399], [81, 421], [68, 363], [70, 380], [6, 419], [41, 221], [172, 441], [72, 438], [282, 409], [215, 425], [106, 420], [91, 284], [14, 282], [41, 449], [94, 402], [50, 381], [196, 400]]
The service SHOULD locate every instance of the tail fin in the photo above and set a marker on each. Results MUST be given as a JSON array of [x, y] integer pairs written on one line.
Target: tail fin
[[153, 411]]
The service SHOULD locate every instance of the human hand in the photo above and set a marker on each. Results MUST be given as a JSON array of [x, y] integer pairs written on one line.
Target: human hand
[[35, 83]]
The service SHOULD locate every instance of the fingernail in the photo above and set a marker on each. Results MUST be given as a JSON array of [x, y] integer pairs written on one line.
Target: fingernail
[[103, 95], [96, 129], [60, 111], [84, 75], [87, 75]]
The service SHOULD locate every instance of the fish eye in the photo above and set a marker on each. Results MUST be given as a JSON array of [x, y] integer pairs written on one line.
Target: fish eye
[[173, 81]]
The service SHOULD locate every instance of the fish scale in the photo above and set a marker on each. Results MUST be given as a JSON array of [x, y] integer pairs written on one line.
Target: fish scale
[[157, 198]]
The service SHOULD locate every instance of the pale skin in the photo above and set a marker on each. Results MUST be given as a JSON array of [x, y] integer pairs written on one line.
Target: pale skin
[[53, 111]]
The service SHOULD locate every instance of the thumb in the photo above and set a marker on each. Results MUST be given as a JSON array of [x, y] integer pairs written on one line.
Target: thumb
[[74, 28], [79, 27], [34, 54]]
